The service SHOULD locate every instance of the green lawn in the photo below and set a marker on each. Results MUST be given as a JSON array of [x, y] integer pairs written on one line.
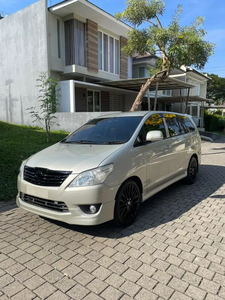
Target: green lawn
[[16, 144]]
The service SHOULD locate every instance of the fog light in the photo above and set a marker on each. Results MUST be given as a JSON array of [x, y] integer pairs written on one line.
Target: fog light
[[90, 209], [93, 209]]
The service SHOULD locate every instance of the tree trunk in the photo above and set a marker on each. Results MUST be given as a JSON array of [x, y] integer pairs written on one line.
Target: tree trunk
[[47, 130], [145, 87]]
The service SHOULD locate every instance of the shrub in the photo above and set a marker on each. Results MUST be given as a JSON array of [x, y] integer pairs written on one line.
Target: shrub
[[222, 124], [214, 122]]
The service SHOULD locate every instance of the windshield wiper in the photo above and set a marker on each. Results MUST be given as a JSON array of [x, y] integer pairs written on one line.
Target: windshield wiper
[[114, 142], [81, 142]]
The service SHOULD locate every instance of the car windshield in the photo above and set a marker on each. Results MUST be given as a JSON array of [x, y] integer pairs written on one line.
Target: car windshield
[[108, 131]]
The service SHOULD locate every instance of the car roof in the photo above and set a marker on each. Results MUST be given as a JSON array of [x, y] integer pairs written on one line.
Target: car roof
[[137, 114]]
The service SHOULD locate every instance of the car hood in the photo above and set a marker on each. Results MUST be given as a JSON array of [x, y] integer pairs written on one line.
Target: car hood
[[72, 157]]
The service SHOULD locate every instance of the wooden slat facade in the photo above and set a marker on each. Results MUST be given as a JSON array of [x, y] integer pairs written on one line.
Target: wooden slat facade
[[92, 46]]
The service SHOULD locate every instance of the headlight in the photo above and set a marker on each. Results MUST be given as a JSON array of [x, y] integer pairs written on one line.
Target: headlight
[[23, 165], [92, 177]]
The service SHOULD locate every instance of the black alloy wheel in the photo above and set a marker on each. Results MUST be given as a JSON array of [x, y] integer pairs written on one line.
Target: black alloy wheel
[[127, 204], [192, 170]]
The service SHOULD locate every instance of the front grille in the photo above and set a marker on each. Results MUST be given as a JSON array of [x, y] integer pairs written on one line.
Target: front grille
[[49, 204], [44, 177]]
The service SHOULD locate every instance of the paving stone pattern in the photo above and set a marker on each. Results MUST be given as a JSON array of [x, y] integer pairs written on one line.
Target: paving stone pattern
[[175, 250]]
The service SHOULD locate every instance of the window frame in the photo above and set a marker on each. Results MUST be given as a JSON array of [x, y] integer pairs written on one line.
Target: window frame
[[115, 63]]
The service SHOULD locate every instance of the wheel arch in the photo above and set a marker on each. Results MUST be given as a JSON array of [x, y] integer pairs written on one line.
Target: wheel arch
[[138, 182]]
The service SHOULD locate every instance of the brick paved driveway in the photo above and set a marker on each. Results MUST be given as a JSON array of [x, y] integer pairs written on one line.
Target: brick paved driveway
[[176, 249]]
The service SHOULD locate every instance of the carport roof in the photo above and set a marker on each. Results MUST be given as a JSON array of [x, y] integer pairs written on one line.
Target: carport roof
[[178, 99], [135, 84]]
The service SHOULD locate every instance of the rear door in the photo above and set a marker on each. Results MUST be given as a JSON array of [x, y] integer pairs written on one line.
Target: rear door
[[157, 154], [178, 143]]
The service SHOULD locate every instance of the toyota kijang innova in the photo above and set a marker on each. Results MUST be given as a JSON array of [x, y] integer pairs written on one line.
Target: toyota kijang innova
[[107, 167]]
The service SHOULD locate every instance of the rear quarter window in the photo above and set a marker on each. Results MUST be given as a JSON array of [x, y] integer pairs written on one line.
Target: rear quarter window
[[188, 124], [175, 124]]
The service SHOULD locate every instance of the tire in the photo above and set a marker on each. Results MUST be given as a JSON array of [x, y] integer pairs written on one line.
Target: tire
[[127, 205], [192, 170]]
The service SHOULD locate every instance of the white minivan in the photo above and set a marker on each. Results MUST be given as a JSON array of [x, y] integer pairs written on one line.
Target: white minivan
[[107, 167]]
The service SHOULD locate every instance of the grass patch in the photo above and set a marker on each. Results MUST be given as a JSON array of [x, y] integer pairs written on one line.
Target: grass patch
[[16, 144]]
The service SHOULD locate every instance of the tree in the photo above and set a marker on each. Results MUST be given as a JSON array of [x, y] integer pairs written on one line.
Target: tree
[[216, 89], [175, 45], [48, 99]]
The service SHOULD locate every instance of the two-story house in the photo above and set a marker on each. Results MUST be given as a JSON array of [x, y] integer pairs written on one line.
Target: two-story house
[[74, 41], [81, 45], [175, 99]]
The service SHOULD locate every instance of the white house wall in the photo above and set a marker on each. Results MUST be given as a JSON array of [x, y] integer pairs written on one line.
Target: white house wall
[[66, 95], [23, 54]]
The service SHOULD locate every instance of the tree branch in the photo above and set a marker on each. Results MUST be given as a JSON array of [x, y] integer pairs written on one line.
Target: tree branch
[[155, 25], [160, 24]]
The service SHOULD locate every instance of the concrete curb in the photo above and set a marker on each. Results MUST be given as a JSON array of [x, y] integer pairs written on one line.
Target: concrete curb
[[206, 138]]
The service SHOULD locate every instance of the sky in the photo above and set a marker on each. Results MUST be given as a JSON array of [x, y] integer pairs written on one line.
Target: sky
[[212, 10]]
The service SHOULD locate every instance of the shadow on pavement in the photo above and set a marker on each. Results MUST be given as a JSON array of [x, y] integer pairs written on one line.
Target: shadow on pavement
[[165, 206], [7, 206]]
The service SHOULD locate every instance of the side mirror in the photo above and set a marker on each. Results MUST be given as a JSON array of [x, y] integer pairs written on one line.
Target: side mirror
[[154, 136]]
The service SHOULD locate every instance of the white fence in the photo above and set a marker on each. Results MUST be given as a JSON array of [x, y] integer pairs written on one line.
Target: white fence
[[72, 121]]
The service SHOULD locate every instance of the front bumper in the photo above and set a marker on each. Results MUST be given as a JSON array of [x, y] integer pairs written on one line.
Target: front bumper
[[73, 198]]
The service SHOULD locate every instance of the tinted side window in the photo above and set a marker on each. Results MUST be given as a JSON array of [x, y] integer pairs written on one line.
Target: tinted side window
[[174, 124], [155, 122], [188, 125]]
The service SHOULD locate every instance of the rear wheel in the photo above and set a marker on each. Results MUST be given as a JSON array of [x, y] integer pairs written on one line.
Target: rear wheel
[[192, 170], [128, 201]]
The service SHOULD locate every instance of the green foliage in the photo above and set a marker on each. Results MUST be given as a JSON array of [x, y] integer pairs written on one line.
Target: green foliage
[[177, 45], [214, 122], [48, 99], [216, 89], [222, 124], [17, 144]]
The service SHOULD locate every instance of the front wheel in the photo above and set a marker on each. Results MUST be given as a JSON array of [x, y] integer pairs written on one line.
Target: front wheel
[[128, 201], [192, 170]]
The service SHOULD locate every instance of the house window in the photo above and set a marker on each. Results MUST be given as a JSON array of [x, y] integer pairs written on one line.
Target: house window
[[167, 92], [94, 101], [194, 111], [108, 53], [117, 55], [80, 44], [111, 55], [141, 72], [75, 43], [105, 52], [198, 89], [59, 38]]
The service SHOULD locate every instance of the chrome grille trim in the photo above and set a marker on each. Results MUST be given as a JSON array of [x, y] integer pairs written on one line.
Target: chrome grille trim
[[44, 203]]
